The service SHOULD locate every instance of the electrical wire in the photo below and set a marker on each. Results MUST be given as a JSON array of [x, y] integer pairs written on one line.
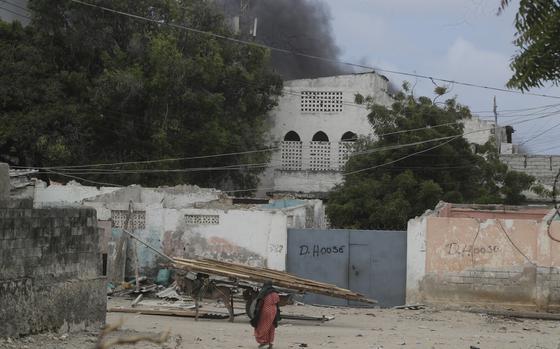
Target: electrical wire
[[14, 12], [15, 5], [540, 134], [300, 54], [241, 153], [83, 179], [84, 168], [513, 243], [161, 160], [517, 110], [399, 159]]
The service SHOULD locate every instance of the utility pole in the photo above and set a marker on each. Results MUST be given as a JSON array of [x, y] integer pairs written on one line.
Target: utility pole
[[496, 133]]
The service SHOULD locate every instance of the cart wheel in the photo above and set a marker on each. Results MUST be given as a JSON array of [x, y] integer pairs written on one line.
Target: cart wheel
[[250, 307]]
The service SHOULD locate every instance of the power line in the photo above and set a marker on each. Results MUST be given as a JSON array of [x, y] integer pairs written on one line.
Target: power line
[[15, 5], [225, 154], [229, 167], [421, 151], [401, 158], [163, 160], [540, 134], [83, 179], [295, 53], [520, 109], [14, 12]]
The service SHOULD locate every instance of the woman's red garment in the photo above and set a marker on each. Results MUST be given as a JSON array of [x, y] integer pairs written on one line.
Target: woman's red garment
[[264, 332]]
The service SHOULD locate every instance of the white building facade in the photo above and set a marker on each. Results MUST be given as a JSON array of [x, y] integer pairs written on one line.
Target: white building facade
[[315, 125]]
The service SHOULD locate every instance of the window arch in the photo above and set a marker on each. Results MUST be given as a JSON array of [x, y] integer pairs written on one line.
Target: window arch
[[291, 150], [292, 136], [349, 137], [320, 137]]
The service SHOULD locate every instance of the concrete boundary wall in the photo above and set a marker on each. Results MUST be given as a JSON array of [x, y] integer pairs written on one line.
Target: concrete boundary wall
[[50, 271], [543, 167], [493, 261]]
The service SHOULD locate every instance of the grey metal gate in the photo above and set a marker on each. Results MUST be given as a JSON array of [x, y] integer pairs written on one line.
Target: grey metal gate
[[372, 262]]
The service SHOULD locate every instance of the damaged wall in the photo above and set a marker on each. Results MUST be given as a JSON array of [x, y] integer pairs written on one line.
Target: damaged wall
[[65, 195], [50, 271], [189, 223], [483, 260]]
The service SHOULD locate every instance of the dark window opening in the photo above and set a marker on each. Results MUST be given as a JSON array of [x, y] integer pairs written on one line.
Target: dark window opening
[[292, 137], [104, 268], [320, 137], [349, 137]]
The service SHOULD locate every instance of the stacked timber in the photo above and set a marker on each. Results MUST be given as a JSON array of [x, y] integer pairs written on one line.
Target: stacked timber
[[240, 272]]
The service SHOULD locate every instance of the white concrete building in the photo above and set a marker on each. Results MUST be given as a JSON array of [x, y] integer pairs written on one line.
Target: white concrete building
[[479, 131], [315, 124]]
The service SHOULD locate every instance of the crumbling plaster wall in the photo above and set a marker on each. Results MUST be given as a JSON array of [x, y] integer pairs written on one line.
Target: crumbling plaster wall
[[469, 260], [253, 237], [306, 181], [50, 271], [71, 194]]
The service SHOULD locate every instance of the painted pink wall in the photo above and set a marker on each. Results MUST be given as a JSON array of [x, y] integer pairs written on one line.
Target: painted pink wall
[[456, 244]]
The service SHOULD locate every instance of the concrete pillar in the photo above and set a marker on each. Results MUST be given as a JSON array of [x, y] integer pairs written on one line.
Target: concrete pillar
[[4, 181]]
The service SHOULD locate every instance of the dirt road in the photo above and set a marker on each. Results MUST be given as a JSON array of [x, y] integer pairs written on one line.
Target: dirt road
[[352, 328]]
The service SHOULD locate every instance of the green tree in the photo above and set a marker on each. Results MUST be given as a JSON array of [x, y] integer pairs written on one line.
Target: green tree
[[400, 175], [538, 57], [97, 87]]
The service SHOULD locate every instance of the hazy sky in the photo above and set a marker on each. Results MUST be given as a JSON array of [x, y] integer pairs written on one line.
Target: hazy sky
[[459, 40]]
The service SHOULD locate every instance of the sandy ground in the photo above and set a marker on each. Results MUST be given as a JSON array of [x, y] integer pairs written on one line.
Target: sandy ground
[[351, 328]]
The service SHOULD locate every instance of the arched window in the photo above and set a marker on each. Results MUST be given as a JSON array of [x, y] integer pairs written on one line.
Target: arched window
[[345, 148], [320, 137], [320, 152], [291, 151], [292, 137], [349, 137]]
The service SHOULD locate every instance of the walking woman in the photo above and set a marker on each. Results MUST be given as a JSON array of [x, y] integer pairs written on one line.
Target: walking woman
[[267, 315]]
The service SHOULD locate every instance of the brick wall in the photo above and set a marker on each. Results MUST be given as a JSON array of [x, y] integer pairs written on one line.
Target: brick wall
[[542, 167], [50, 271]]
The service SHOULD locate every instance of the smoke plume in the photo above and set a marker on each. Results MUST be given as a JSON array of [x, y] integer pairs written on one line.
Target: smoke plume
[[297, 25]]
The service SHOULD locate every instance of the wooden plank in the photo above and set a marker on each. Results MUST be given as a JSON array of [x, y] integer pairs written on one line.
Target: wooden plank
[[256, 274], [181, 313], [278, 276]]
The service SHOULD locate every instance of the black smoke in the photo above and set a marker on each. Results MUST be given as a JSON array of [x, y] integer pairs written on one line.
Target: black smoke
[[302, 26]]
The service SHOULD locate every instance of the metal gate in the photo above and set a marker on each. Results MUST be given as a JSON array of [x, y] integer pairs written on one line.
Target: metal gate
[[372, 262]]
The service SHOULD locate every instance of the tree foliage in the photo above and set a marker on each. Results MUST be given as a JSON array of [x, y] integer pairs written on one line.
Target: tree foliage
[[80, 85], [537, 60], [391, 181]]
